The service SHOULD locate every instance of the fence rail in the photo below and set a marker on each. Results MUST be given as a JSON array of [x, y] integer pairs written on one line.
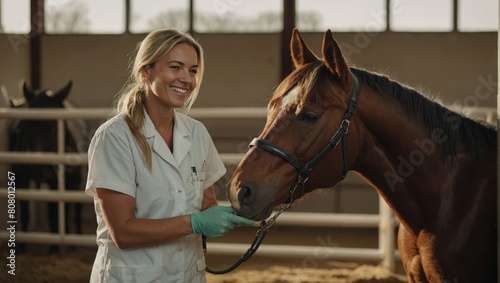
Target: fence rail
[[385, 220]]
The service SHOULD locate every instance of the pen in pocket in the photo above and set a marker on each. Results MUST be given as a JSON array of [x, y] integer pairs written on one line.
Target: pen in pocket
[[194, 174], [201, 176]]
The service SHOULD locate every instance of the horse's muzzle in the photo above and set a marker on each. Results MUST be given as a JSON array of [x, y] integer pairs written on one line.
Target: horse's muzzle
[[247, 203]]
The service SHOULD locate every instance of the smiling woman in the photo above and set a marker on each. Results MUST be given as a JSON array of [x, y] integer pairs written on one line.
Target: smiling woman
[[152, 171]]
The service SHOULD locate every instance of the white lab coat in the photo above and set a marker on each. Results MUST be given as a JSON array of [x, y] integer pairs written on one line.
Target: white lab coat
[[174, 187]]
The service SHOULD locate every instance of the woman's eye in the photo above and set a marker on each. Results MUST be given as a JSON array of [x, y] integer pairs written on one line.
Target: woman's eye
[[193, 71], [175, 68], [309, 118]]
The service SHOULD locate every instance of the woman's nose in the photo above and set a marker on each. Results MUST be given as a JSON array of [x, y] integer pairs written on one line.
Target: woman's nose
[[185, 76]]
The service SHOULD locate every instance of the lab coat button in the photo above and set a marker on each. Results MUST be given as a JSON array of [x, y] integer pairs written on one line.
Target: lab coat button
[[179, 249], [179, 190]]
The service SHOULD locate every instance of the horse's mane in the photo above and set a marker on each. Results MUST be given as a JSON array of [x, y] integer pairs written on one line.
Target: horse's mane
[[455, 127]]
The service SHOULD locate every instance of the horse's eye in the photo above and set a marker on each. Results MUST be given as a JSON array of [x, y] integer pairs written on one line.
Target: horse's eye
[[309, 117]]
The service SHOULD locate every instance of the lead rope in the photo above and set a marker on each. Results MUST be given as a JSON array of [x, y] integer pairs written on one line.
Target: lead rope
[[259, 237]]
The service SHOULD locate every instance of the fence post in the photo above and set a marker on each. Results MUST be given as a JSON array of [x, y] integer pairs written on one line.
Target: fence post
[[386, 235], [61, 178]]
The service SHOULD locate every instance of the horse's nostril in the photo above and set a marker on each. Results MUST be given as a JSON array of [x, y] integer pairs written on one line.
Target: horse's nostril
[[244, 196]]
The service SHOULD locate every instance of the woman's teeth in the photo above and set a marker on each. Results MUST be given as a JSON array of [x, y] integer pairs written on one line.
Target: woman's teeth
[[181, 90]]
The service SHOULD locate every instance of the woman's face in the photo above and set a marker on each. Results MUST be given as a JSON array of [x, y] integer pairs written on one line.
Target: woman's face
[[172, 78]]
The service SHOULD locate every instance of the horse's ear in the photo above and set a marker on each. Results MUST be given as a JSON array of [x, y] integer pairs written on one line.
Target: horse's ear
[[334, 60], [63, 93], [301, 54], [28, 94]]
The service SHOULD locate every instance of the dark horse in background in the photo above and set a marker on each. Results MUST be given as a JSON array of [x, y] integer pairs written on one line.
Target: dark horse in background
[[436, 168], [41, 136]]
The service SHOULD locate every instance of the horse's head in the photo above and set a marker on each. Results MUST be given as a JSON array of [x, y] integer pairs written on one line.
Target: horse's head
[[43, 98], [299, 139], [38, 135]]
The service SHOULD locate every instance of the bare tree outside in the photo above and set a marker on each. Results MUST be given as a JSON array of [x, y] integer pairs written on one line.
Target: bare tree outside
[[171, 18], [265, 22], [71, 17], [271, 21], [268, 22], [309, 21]]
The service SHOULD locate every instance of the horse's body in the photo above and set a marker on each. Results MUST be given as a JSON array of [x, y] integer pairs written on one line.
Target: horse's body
[[41, 136], [435, 168]]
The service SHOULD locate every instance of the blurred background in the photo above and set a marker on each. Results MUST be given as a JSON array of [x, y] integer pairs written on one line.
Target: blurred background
[[444, 48]]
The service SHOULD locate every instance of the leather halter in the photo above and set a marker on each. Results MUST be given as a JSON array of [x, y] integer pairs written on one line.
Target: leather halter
[[302, 176], [305, 170]]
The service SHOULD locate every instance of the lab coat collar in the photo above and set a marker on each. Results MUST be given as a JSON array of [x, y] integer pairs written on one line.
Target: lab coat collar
[[181, 139]]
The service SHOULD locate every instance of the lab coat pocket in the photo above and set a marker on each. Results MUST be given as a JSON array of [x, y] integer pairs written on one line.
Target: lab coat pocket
[[198, 195], [201, 265], [121, 274]]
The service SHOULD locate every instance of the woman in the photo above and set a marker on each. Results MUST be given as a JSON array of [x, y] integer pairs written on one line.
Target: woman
[[152, 170]]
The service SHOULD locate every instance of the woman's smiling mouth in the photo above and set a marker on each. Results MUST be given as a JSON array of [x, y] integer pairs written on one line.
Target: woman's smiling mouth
[[179, 90]]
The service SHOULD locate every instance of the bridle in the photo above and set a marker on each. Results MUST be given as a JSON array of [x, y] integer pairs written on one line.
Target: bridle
[[305, 170], [302, 176]]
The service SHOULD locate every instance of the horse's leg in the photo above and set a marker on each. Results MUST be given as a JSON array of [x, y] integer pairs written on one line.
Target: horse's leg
[[53, 216], [73, 182], [78, 217], [24, 218], [25, 215], [410, 256], [76, 209]]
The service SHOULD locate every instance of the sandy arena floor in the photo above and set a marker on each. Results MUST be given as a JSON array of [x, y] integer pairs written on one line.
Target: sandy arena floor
[[74, 264]]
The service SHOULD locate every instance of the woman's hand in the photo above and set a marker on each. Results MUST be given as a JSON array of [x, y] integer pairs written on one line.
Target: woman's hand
[[217, 221]]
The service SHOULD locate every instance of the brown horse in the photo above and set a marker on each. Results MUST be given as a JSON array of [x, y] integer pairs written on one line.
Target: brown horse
[[434, 167]]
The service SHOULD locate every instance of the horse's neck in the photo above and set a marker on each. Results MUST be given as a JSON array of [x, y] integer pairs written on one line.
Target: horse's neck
[[397, 158]]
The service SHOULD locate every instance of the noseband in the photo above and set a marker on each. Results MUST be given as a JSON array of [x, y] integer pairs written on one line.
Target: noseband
[[305, 170], [302, 177]]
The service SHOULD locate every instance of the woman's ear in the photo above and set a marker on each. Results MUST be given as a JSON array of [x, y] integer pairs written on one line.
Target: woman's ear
[[145, 73]]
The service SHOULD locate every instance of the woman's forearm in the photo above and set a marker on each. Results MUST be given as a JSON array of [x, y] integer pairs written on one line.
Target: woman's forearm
[[138, 232], [127, 231]]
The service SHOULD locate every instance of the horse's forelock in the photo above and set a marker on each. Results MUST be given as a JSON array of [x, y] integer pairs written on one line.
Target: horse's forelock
[[289, 100], [297, 88]]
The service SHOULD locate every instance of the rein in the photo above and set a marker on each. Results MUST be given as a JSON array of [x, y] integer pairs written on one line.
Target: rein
[[302, 176]]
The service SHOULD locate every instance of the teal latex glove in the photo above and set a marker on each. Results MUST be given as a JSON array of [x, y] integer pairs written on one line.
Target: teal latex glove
[[217, 221]]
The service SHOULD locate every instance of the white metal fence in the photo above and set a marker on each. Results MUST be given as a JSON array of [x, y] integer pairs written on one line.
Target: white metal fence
[[385, 220]]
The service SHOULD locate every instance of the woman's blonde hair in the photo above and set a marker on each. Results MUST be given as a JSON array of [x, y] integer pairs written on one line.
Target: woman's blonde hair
[[130, 100]]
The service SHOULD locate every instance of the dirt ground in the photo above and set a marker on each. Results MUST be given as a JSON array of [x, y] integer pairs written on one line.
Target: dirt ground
[[74, 264]]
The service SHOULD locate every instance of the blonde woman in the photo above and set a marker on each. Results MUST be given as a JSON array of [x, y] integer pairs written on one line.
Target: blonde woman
[[152, 170]]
